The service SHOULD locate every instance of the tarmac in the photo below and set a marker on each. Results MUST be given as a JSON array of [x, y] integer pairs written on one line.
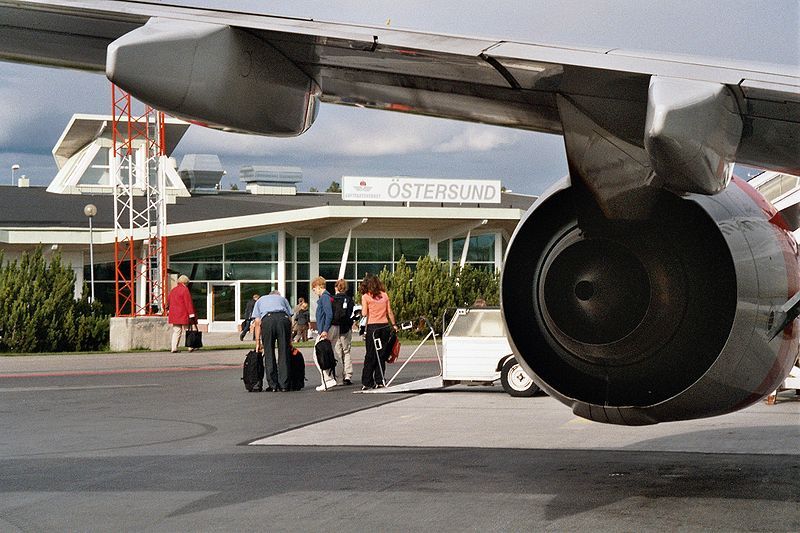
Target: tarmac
[[171, 442], [444, 419]]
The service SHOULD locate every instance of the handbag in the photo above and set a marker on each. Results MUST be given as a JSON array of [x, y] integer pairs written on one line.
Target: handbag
[[194, 337], [395, 353]]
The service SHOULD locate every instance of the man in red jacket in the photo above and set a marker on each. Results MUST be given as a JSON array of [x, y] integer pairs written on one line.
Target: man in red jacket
[[181, 311]]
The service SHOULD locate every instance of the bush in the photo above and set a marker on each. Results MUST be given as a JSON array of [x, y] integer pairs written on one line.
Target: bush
[[473, 283], [38, 311], [434, 287]]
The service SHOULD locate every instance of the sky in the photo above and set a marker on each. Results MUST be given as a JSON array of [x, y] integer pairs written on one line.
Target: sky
[[37, 102]]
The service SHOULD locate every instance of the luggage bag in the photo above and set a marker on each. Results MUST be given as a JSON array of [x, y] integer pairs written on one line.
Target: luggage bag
[[194, 337], [297, 370], [325, 360], [253, 371]]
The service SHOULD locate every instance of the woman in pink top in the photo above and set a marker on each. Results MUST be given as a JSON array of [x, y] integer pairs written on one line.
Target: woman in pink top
[[376, 307]]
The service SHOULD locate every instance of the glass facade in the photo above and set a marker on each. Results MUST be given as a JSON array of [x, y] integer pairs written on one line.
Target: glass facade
[[481, 252], [366, 254], [297, 269], [104, 288], [224, 277]]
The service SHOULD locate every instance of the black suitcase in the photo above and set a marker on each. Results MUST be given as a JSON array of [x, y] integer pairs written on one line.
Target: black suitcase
[[297, 370], [253, 371]]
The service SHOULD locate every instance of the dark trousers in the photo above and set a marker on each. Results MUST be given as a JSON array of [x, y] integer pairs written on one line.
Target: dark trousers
[[374, 361], [276, 328]]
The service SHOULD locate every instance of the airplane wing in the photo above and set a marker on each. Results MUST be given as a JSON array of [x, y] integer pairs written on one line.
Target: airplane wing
[[497, 82]]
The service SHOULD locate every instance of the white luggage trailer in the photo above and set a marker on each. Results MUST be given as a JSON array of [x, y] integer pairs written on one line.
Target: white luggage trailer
[[475, 351]]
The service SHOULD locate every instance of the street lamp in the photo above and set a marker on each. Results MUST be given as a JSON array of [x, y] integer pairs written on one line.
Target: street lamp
[[14, 169], [90, 211]]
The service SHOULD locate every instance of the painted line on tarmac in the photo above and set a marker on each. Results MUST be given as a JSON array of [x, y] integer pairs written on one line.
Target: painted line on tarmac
[[114, 372], [89, 387], [67, 373]]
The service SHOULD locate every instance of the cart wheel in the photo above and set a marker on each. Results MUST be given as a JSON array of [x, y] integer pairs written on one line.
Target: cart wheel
[[516, 381]]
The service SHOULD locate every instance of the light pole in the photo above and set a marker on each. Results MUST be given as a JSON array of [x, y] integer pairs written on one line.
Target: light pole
[[14, 169], [90, 211]]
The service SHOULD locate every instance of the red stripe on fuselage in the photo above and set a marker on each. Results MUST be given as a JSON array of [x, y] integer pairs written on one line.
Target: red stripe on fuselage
[[773, 215], [788, 350]]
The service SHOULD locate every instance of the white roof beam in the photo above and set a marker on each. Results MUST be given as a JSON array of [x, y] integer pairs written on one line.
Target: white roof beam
[[338, 229], [456, 230]]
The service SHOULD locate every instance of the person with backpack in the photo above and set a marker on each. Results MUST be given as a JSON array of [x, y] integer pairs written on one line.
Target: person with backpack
[[376, 307], [341, 331], [324, 317]]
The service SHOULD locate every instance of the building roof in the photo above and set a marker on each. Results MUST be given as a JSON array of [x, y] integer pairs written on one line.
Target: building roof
[[83, 129], [34, 207]]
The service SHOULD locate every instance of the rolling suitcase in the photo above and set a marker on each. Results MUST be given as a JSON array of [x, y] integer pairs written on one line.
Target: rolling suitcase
[[297, 370], [253, 371]]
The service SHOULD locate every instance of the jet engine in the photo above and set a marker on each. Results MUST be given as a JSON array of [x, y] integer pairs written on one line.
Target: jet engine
[[646, 321]]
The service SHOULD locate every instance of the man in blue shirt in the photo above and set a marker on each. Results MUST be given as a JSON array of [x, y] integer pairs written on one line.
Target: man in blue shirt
[[324, 317], [272, 314]]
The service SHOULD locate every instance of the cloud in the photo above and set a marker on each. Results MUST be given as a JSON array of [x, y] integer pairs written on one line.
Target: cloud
[[37, 102], [477, 140], [349, 132]]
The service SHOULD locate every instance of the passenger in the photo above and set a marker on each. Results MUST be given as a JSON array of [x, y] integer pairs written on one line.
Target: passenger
[[341, 331], [301, 319], [376, 307], [180, 310], [324, 317], [248, 318], [272, 315]]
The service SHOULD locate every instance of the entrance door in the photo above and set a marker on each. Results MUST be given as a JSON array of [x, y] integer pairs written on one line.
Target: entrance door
[[223, 307]]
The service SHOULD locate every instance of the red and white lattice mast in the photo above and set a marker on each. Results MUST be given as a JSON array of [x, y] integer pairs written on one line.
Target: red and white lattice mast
[[140, 208]]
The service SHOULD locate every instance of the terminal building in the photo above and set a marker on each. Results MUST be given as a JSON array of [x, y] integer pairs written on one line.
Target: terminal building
[[232, 244]]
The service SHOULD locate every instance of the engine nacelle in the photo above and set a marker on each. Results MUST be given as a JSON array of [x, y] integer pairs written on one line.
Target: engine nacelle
[[218, 76], [651, 321]]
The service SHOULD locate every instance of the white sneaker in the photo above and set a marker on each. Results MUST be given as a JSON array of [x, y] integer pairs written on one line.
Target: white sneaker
[[331, 383]]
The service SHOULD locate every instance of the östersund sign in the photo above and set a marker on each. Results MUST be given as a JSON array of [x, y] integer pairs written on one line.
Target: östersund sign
[[403, 189]]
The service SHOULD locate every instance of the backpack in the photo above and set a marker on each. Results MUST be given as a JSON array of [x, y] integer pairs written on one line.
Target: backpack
[[253, 371], [342, 312], [325, 358]]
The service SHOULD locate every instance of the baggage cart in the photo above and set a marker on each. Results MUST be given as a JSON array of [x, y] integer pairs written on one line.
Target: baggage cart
[[475, 351]]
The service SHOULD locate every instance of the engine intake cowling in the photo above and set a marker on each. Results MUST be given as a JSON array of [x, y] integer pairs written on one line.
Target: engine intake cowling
[[639, 322]]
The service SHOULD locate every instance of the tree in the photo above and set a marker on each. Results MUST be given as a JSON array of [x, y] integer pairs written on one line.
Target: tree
[[402, 291], [234, 187], [473, 283], [334, 187], [433, 288], [38, 311], [313, 189]]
